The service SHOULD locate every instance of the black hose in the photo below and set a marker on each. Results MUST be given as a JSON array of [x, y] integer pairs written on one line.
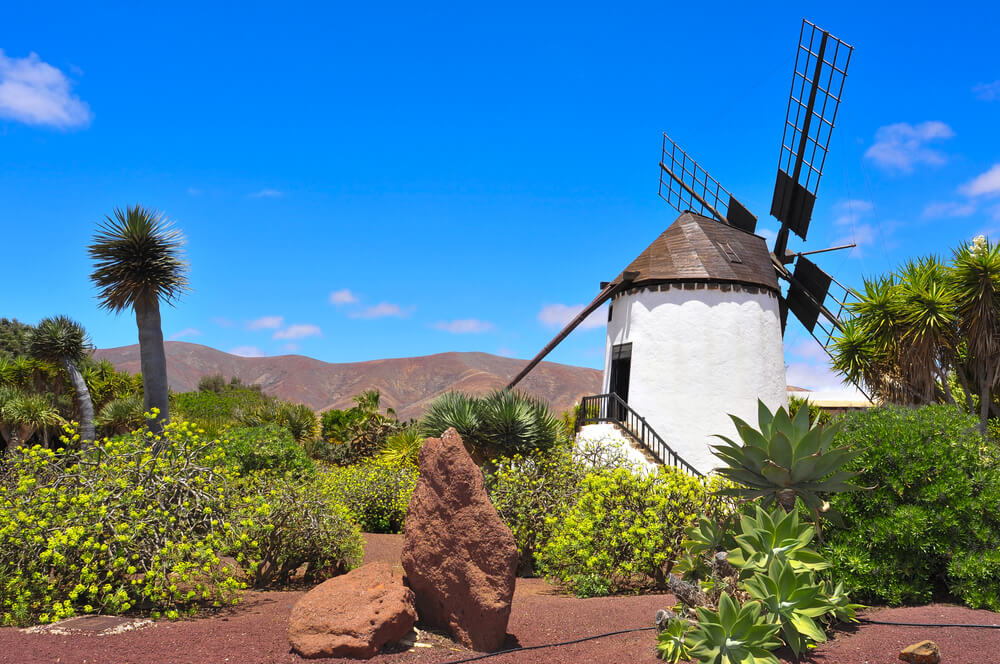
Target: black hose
[[549, 645], [910, 624]]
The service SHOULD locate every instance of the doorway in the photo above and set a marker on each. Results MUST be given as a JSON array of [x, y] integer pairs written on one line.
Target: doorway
[[621, 367]]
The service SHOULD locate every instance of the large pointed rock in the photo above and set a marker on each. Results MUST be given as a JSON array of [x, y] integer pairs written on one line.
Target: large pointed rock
[[459, 556], [353, 615]]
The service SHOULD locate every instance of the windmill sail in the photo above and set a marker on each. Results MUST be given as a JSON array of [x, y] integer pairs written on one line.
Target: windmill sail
[[817, 85], [685, 186]]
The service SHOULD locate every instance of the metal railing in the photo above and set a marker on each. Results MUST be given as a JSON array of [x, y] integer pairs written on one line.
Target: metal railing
[[612, 408]]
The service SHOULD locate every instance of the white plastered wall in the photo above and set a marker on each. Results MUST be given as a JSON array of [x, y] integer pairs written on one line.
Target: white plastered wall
[[697, 356]]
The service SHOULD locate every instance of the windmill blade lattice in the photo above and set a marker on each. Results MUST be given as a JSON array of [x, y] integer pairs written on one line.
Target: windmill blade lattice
[[821, 63], [685, 185]]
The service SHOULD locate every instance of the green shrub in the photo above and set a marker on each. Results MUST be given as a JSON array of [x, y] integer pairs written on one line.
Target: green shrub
[[115, 529], [283, 523], [626, 528], [375, 492], [533, 493], [268, 448], [928, 523]]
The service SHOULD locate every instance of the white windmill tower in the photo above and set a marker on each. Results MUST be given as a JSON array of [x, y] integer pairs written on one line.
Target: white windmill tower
[[695, 322]]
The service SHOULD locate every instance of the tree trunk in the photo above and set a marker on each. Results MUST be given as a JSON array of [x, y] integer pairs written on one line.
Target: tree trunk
[[83, 402], [984, 400], [152, 362]]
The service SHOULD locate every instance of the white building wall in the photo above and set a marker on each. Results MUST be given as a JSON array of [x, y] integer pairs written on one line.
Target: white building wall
[[697, 356]]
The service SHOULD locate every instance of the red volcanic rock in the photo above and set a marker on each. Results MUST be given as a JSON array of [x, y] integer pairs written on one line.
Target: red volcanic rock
[[924, 652], [459, 556], [353, 615]]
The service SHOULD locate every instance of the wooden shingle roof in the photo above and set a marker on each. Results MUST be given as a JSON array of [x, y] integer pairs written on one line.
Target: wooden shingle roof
[[696, 248]]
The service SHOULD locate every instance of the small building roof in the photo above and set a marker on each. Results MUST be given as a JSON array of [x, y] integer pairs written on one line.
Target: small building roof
[[696, 248]]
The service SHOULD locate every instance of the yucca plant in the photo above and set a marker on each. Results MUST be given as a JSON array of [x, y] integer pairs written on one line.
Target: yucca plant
[[23, 415], [120, 416], [785, 459], [791, 600], [403, 447], [733, 635], [779, 535], [137, 263]]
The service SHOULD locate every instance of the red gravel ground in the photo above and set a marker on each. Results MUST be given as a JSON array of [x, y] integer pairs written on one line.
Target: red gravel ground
[[255, 633]]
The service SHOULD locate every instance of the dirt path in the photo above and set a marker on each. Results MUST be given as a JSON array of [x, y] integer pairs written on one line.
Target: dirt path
[[255, 633]]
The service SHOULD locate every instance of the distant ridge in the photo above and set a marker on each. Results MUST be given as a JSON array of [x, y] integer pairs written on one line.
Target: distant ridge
[[407, 384]]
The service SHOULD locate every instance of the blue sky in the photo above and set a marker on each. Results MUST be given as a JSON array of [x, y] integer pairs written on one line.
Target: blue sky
[[381, 180]]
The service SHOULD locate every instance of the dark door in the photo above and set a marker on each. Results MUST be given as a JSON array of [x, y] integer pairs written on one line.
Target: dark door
[[621, 366]]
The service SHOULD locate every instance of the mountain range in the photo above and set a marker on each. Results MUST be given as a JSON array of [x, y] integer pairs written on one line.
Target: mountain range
[[407, 384]]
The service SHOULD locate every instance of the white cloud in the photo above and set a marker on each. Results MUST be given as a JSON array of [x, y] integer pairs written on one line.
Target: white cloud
[[34, 92], [850, 210], [186, 332], [987, 91], [290, 347], [343, 296], [464, 326], [267, 193], [223, 322], [382, 310], [247, 351], [819, 378], [506, 352], [948, 209], [559, 315], [299, 331], [986, 184], [901, 146], [266, 323]]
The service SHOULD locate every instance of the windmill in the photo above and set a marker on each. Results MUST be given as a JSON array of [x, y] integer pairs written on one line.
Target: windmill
[[696, 321]]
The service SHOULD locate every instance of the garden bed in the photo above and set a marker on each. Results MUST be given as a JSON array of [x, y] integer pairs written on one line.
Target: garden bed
[[255, 632]]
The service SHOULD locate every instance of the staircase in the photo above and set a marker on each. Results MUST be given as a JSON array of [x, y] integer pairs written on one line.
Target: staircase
[[613, 409]]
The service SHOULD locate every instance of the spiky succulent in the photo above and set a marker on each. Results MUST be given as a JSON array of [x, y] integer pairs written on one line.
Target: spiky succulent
[[671, 643], [733, 635], [785, 458], [776, 536], [137, 258], [791, 600]]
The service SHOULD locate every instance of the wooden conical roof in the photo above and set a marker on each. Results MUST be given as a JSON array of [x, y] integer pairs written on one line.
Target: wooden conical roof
[[696, 248]]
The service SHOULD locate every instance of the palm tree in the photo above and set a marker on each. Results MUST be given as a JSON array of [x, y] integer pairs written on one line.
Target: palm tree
[[64, 341], [138, 262]]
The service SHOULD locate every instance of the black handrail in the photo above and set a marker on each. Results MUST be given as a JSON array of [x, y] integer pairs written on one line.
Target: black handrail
[[612, 408]]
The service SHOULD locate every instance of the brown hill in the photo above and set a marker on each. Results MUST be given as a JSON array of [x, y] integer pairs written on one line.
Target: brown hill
[[407, 384]]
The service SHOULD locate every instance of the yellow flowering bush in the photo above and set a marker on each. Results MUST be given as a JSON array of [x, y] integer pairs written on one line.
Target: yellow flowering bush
[[142, 523], [282, 523], [133, 523], [624, 531], [376, 491], [532, 493]]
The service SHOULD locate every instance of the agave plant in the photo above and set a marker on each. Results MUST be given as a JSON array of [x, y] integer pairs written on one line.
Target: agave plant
[[775, 536], [671, 644], [791, 600], [841, 607], [733, 635], [784, 459]]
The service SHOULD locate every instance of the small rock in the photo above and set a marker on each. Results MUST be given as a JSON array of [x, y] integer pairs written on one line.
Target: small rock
[[459, 556], [353, 615], [924, 652], [663, 618]]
